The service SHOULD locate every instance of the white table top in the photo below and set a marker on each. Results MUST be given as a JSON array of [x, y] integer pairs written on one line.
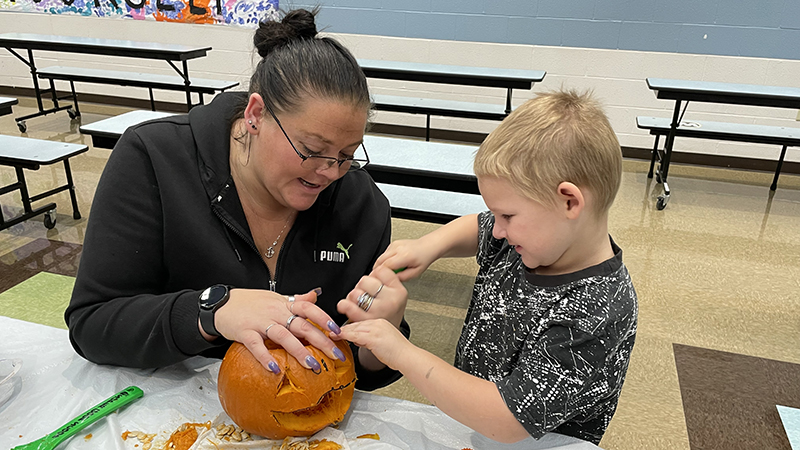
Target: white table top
[[58, 42], [116, 125], [37, 150], [723, 88], [429, 157], [427, 200], [7, 101], [55, 384], [470, 75]]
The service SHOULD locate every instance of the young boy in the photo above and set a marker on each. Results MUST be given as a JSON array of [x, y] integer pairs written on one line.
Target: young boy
[[548, 335]]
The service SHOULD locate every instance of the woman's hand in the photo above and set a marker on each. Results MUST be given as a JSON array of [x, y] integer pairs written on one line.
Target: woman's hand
[[378, 295], [252, 315], [408, 257], [382, 338]]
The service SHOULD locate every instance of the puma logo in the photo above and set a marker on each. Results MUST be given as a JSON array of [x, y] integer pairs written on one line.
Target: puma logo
[[345, 250]]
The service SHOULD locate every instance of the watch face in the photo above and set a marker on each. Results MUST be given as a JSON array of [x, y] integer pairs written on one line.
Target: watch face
[[212, 296]]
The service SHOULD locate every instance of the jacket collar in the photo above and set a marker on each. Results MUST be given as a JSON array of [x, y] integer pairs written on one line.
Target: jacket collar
[[210, 125]]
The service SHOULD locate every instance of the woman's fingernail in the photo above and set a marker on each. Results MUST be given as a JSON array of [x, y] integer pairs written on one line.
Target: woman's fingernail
[[273, 366], [333, 327], [318, 291], [339, 354], [313, 364]]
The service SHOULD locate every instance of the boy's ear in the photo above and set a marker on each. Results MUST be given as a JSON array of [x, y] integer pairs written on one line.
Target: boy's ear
[[254, 112], [570, 199]]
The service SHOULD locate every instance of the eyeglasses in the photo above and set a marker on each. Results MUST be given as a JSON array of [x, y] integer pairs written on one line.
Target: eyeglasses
[[317, 162]]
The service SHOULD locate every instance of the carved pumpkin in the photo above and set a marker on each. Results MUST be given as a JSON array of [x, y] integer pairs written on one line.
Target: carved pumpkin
[[295, 402]]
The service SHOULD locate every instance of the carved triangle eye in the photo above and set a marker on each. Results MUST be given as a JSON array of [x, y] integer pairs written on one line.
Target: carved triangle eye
[[288, 385]]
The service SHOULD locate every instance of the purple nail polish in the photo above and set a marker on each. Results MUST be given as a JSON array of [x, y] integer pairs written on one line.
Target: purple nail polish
[[339, 354], [313, 363], [273, 366], [333, 327], [318, 291]]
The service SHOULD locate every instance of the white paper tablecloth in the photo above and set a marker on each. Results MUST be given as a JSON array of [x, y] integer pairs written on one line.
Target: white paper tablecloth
[[55, 384]]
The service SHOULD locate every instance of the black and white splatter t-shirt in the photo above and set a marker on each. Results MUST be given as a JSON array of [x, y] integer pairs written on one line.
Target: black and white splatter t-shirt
[[557, 347]]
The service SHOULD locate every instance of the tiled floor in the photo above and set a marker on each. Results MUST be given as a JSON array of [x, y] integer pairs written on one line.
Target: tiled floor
[[717, 273]]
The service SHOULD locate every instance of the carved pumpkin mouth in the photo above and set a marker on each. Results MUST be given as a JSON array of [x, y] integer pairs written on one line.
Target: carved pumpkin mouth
[[322, 409]]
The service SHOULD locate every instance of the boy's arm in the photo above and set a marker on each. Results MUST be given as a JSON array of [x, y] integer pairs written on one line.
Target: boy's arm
[[458, 238], [473, 401]]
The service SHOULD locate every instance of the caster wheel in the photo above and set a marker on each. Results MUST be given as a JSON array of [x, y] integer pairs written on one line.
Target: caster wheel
[[72, 114], [50, 219], [22, 126], [661, 203]]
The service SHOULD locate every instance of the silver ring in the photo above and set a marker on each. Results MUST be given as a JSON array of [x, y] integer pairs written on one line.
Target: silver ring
[[365, 301], [266, 332], [290, 299], [289, 320], [378, 291], [362, 299], [369, 303]]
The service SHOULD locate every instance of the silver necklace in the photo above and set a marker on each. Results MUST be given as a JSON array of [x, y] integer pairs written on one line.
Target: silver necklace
[[271, 250]]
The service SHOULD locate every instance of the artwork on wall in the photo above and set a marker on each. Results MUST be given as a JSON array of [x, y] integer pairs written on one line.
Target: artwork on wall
[[247, 13]]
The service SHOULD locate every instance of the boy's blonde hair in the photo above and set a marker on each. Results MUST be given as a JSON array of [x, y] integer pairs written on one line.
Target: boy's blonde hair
[[555, 137]]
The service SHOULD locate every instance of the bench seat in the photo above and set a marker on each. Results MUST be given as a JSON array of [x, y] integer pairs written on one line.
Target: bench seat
[[26, 153], [136, 79], [757, 134], [436, 107], [200, 86], [105, 133], [429, 205]]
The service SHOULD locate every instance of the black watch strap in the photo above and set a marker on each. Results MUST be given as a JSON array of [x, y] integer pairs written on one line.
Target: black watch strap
[[210, 301]]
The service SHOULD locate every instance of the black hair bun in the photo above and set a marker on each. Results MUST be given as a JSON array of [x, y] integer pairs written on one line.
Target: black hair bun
[[296, 24]]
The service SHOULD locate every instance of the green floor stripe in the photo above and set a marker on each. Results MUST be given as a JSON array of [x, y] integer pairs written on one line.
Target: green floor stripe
[[39, 299]]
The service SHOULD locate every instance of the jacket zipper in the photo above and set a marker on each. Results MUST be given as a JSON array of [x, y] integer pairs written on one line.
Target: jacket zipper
[[272, 282]]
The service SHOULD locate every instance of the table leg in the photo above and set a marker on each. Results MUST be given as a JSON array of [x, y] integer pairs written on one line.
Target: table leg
[[671, 139], [76, 214], [653, 157], [36, 88], [188, 84], [778, 170], [663, 169]]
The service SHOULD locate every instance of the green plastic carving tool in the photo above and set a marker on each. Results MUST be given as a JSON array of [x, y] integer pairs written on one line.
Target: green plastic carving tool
[[102, 409]]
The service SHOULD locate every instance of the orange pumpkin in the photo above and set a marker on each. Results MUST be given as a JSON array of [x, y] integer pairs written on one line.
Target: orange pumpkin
[[295, 402]]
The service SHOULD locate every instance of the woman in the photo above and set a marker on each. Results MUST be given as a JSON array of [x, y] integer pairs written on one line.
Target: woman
[[200, 220]]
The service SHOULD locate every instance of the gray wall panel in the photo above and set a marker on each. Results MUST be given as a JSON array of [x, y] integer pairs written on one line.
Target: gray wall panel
[[535, 29], [765, 28], [591, 33], [659, 37]]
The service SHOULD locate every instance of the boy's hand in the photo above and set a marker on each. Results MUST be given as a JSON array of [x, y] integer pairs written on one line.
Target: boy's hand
[[411, 256], [380, 337]]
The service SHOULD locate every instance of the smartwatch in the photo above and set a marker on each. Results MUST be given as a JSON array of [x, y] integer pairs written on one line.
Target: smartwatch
[[210, 301]]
